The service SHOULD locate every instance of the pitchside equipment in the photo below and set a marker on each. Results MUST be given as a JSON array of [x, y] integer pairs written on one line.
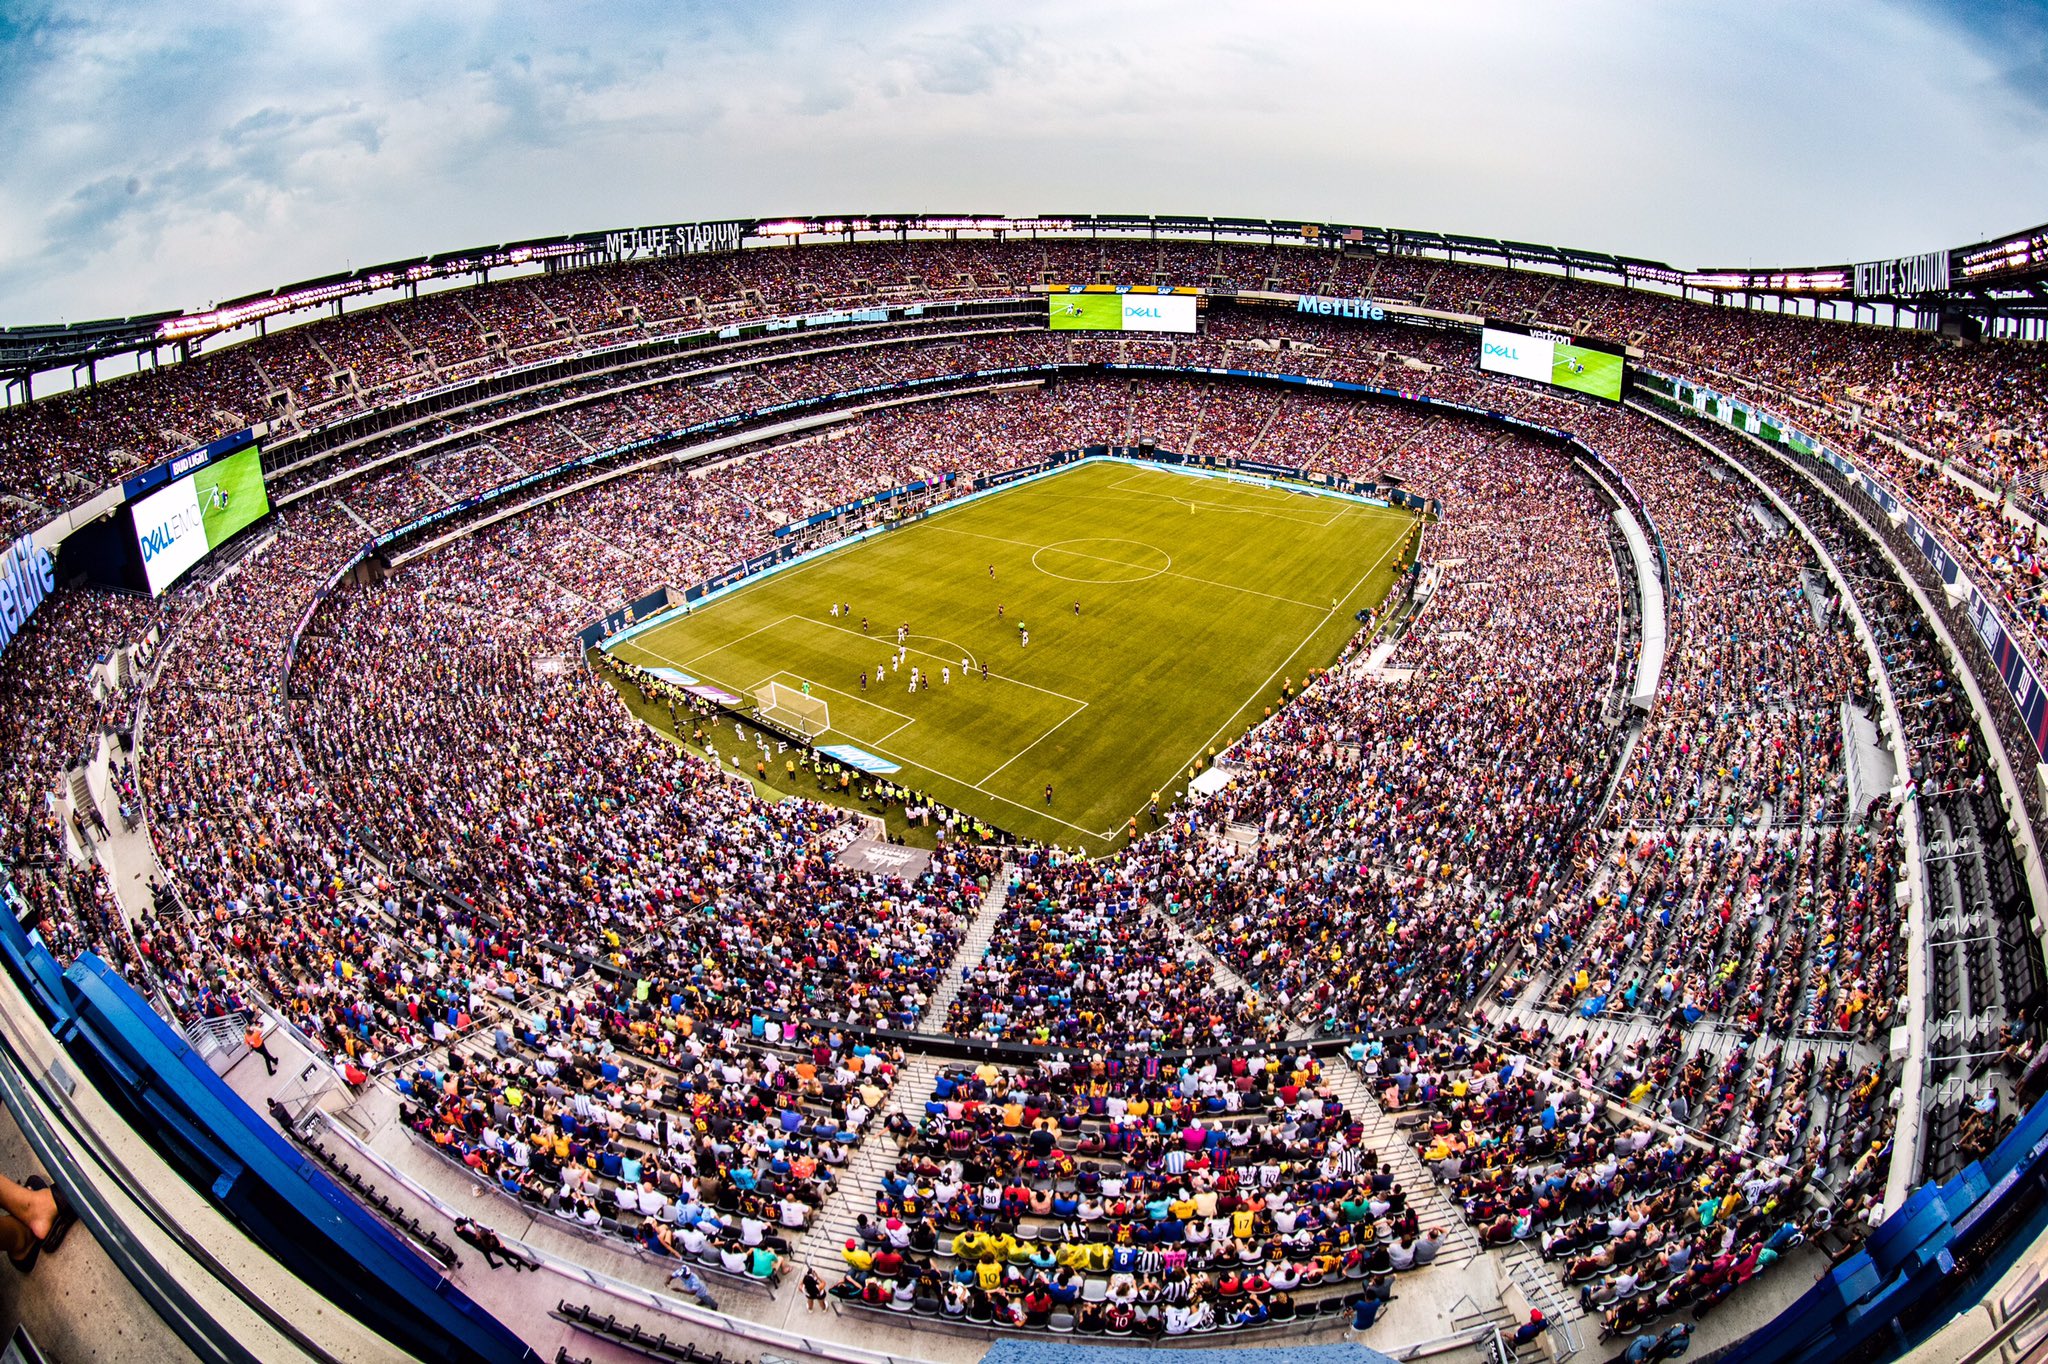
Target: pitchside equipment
[[790, 707]]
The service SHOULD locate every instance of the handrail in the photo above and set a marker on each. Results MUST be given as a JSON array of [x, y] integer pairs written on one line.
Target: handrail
[[1931, 536], [559, 371], [42, 1101], [1616, 1100]]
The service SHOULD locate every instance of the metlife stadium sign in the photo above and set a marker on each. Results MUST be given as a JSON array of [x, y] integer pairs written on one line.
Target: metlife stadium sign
[[676, 239], [27, 575], [1922, 274], [1364, 309]]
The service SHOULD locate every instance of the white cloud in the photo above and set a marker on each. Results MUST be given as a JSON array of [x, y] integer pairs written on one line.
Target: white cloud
[[173, 155]]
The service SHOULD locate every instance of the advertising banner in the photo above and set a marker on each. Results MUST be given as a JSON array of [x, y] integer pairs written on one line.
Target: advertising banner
[[1122, 312], [188, 462], [859, 759], [613, 622], [1577, 363], [27, 575]]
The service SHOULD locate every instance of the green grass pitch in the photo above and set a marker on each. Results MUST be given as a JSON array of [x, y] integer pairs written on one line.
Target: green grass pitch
[[1200, 598], [1086, 312]]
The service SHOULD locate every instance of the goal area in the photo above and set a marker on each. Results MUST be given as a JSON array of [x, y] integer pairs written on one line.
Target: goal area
[[789, 707]]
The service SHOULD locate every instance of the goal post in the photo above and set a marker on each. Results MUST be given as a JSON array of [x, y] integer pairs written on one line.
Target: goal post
[[791, 707]]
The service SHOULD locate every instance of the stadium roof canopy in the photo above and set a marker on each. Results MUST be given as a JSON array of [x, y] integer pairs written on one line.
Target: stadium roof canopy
[[2003, 277]]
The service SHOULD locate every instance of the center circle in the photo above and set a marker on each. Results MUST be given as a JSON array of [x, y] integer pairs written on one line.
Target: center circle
[[1102, 560]]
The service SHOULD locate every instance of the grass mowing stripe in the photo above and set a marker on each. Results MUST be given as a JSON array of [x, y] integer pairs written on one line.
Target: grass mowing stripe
[[1165, 572]]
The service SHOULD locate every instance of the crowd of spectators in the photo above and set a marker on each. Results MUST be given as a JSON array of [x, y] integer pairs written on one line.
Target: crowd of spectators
[[693, 1140], [1078, 955], [400, 814], [1136, 1199], [59, 698], [1644, 1218], [1364, 812], [1736, 885], [1976, 405]]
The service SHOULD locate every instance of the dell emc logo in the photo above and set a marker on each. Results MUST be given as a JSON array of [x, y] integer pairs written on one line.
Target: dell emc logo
[[160, 538]]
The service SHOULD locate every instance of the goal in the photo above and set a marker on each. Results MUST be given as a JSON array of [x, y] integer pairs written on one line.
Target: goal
[[789, 706]]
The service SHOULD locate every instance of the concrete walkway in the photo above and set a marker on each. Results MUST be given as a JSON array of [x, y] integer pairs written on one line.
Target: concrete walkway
[[1432, 1206], [125, 853], [1223, 971]]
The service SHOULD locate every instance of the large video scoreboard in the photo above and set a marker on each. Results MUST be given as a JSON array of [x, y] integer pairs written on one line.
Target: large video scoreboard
[[1121, 311], [1581, 363], [189, 518]]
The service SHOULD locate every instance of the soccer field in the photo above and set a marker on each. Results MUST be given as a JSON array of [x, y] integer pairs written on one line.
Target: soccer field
[[1200, 598]]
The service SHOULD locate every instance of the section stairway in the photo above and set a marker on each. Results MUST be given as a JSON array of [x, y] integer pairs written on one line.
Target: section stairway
[[972, 948], [1432, 1207], [856, 1183]]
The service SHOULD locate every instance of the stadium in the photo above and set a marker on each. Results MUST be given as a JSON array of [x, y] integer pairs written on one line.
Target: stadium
[[857, 788]]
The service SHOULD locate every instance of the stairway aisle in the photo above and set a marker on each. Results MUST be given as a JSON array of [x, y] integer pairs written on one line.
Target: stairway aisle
[[1432, 1206], [1542, 1285], [1225, 973], [969, 956], [856, 1183]]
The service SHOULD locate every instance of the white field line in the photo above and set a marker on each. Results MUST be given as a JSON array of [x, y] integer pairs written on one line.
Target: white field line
[[944, 659], [1033, 744], [1346, 510], [1253, 698], [1345, 507], [877, 747], [836, 691]]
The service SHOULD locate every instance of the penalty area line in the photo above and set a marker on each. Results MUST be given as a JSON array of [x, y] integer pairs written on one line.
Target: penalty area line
[[1033, 744]]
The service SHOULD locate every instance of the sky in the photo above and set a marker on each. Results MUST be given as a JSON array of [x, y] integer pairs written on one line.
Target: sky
[[172, 155]]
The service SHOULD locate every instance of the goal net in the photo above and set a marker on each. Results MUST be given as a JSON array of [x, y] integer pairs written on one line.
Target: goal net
[[790, 707]]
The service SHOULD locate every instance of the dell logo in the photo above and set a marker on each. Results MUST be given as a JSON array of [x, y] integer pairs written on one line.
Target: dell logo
[[1141, 312]]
